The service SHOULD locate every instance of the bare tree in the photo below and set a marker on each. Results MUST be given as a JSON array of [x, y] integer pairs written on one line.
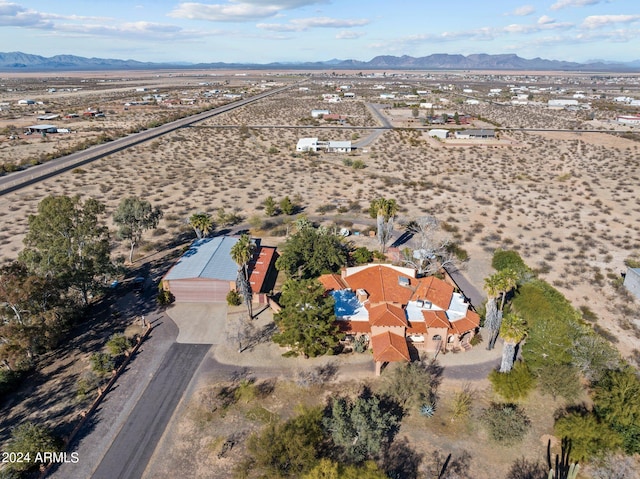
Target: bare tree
[[427, 253]]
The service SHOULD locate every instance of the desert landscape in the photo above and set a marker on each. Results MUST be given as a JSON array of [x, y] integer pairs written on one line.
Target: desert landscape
[[563, 196]]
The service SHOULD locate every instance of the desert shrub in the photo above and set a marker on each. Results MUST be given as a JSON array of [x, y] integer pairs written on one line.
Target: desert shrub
[[118, 344], [87, 382], [8, 380], [285, 449], [31, 438], [234, 298], [461, 403], [514, 385], [508, 259], [507, 423], [589, 437], [411, 385], [477, 339], [525, 469], [165, 297], [362, 255], [560, 380], [358, 165], [102, 363], [460, 253]]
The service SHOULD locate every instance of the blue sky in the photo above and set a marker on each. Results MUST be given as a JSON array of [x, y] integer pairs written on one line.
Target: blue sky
[[264, 31]]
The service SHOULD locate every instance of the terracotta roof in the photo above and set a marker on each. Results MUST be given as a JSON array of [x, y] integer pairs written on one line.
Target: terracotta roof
[[434, 290], [417, 327], [332, 282], [354, 326], [436, 319], [386, 314], [259, 267], [388, 347], [469, 322], [381, 282]]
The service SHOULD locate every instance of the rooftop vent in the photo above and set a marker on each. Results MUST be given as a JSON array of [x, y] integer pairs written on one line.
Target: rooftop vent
[[404, 281]]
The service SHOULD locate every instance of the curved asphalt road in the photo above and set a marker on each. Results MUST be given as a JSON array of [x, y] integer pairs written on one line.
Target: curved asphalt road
[[129, 454]]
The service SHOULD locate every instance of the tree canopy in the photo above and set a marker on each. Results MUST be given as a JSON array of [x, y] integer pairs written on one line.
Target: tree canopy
[[67, 241], [134, 216], [307, 321], [202, 224], [311, 252], [362, 427]]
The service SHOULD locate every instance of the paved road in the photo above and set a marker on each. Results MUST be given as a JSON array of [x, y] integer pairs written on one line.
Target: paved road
[[35, 174], [128, 456]]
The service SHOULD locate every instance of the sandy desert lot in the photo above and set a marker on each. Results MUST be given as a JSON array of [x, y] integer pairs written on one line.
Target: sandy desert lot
[[567, 201]]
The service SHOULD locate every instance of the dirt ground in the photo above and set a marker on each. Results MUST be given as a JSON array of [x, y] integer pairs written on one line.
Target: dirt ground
[[564, 200]]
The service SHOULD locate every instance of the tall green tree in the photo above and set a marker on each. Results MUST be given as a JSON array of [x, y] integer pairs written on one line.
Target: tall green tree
[[270, 207], [513, 330], [384, 210], [133, 217], [306, 322], [311, 252], [361, 428], [241, 253], [32, 315], [617, 403], [287, 206], [202, 224], [68, 241]]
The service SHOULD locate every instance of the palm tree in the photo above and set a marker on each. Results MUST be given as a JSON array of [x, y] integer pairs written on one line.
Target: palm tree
[[496, 286], [202, 224], [513, 330], [384, 210], [241, 253]]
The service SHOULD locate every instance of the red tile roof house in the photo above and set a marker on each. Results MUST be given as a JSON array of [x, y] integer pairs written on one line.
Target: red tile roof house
[[398, 311]]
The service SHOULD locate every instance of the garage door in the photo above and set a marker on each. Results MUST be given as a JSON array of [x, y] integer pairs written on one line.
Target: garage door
[[199, 291]]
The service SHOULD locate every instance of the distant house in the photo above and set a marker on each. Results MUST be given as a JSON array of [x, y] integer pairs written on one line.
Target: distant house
[[334, 117], [26, 102], [470, 134], [398, 312], [338, 147], [632, 281], [319, 113], [313, 144], [439, 133], [349, 95], [307, 144], [206, 272], [561, 103], [42, 129], [629, 119]]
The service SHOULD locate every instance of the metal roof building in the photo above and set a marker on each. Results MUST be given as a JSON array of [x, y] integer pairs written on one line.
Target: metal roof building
[[206, 272]]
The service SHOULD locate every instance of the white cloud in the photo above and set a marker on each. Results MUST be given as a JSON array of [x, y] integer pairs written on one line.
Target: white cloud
[[573, 3], [545, 20], [348, 35], [303, 24], [238, 10], [522, 11], [598, 21], [14, 15]]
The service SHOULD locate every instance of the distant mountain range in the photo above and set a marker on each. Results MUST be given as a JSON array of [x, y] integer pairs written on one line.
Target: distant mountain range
[[18, 61]]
